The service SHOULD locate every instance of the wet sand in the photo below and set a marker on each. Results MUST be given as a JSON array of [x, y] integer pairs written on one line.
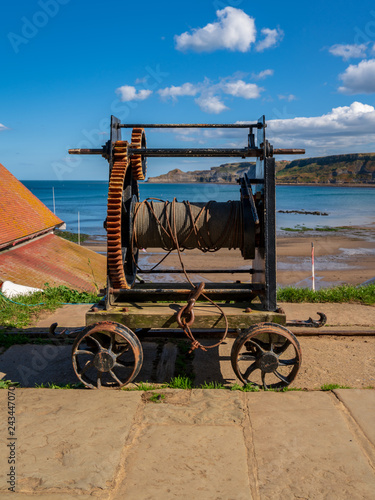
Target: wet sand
[[346, 256]]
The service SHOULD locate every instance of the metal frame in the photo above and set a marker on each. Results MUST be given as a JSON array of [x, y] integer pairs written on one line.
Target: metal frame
[[261, 203]]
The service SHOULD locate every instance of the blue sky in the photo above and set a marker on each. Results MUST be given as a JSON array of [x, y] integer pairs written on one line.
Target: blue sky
[[67, 65]]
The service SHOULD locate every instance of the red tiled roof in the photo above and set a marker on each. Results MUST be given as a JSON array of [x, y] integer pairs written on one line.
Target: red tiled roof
[[51, 259], [21, 213]]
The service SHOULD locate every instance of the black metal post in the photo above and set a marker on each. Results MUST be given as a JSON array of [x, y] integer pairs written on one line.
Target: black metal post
[[270, 233]]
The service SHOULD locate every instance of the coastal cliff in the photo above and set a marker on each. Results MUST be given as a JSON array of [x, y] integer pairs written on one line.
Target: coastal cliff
[[356, 168]]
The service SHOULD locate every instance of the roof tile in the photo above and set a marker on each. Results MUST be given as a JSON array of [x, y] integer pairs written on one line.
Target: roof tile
[[21, 213], [51, 259]]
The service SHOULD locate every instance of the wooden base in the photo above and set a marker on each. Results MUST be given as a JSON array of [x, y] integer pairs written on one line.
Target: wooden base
[[162, 315]]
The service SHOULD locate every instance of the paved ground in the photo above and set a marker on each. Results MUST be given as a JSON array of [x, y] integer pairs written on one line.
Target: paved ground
[[327, 358], [206, 444]]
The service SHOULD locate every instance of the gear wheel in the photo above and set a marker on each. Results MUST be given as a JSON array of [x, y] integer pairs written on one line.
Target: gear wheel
[[138, 164], [115, 253]]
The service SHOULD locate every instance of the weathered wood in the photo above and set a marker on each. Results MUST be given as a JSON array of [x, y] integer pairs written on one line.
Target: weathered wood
[[151, 315]]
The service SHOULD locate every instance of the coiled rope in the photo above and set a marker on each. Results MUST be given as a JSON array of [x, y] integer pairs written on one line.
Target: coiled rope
[[171, 233]]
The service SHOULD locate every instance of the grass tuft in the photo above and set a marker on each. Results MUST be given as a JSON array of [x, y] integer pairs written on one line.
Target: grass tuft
[[331, 387], [338, 294], [245, 388], [180, 382], [212, 385], [20, 311], [5, 384], [51, 385], [157, 397], [142, 386], [67, 235], [301, 228]]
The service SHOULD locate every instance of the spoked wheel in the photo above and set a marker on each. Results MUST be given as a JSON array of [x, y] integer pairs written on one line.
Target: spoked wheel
[[107, 355], [267, 355]]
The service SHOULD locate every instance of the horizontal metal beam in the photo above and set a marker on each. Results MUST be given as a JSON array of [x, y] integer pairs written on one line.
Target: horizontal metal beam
[[178, 290], [288, 152], [190, 125], [200, 271], [86, 151], [197, 152]]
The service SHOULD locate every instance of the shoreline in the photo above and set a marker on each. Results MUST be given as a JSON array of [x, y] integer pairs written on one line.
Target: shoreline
[[289, 184], [346, 256]]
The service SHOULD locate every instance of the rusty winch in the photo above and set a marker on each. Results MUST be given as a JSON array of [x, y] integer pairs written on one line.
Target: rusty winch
[[108, 350]]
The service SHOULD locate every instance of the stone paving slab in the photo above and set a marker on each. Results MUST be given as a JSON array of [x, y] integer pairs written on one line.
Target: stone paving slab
[[206, 444], [361, 405], [68, 316], [199, 406], [69, 439], [304, 448], [102, 495], [186, 462]]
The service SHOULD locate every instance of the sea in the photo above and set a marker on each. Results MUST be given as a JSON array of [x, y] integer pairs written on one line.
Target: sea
[[86, 201]]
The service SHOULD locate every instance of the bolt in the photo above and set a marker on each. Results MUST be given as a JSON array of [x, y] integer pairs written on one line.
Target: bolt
[[248, 310], [94, 309], [125, 309]]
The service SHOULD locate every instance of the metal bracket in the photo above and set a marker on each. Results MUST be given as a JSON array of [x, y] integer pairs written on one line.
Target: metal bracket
[[65, 334], [311, 323]]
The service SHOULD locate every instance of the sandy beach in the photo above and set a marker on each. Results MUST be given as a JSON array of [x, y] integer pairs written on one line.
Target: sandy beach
[[345, 256]]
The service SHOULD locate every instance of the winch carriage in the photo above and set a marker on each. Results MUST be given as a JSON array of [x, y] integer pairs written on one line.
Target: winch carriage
[[107, 352]]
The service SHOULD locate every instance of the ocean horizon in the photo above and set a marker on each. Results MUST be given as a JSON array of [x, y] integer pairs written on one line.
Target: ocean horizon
[[345, 206]]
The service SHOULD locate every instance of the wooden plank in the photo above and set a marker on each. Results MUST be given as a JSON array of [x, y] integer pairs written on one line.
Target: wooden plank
[[150, 315]]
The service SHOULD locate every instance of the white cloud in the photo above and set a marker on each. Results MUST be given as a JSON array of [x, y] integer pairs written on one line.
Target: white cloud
[[271, 39], [234, 30], [348, 51], [129, 93], [262, 74], [210, 95], [241, 89], [344, 127], [2, 127], [359, 78], [182, 90], [288, 97], [210, 104]]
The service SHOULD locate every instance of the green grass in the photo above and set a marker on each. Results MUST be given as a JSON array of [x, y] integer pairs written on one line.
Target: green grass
[[51, 385], [297, 229], [337, 294], [157, 397], [21, 310], [245, 388], [301, 228], [142, 386], [180, 382], [5, 384], [331, 387], [67, 235], [212, 385]]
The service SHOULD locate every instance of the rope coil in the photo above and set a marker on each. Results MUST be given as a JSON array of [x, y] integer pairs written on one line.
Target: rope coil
[[170, 231]]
